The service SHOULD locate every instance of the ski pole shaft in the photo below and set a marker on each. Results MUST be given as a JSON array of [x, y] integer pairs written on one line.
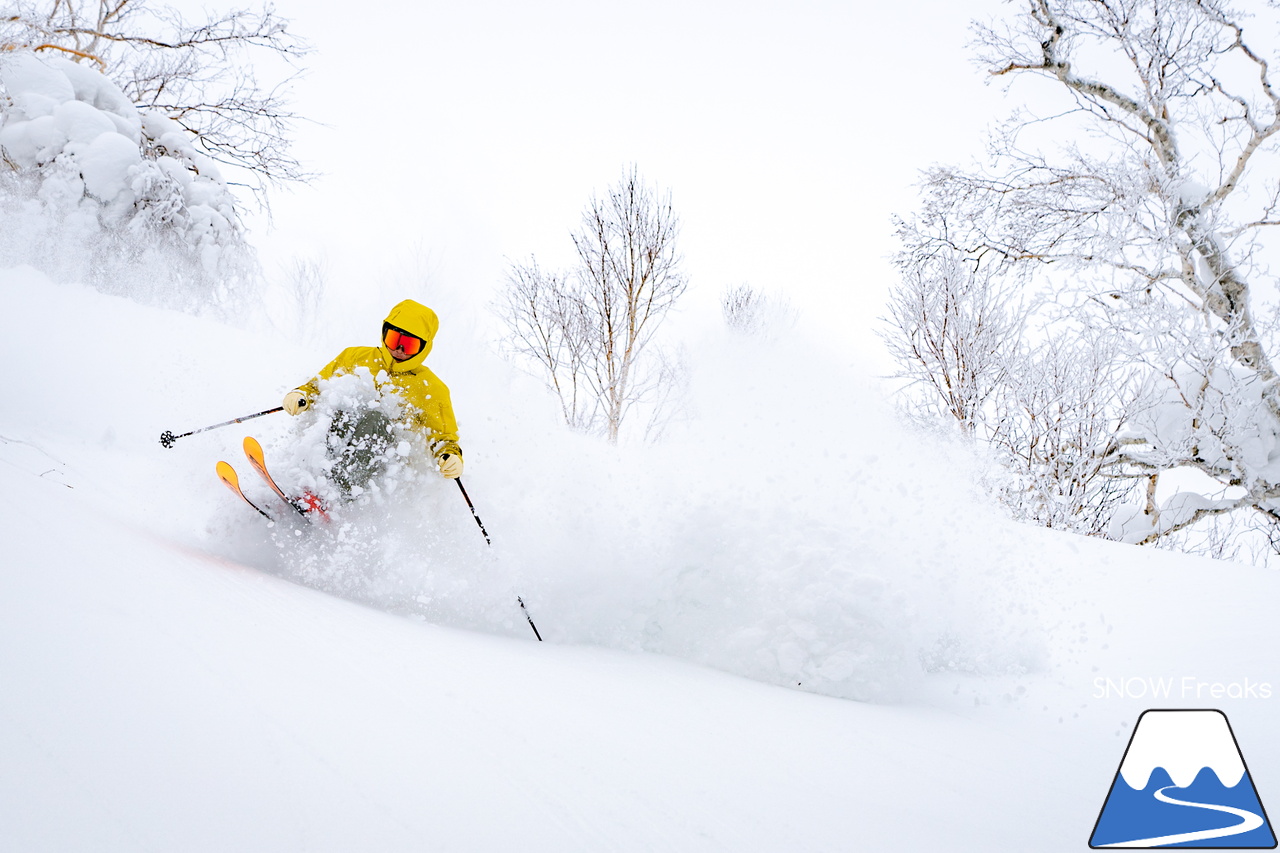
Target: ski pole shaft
[[474, 514], [530, 618], [167, 438], [489, 542]]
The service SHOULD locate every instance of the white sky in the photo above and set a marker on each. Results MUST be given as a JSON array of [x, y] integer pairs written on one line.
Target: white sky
[[470, 133]]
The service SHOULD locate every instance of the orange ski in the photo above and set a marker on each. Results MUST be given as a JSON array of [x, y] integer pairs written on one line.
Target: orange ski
[[258, 460], [231, 480]]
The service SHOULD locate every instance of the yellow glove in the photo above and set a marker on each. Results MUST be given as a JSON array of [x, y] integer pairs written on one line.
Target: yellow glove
[[450, 465], [294, 402]]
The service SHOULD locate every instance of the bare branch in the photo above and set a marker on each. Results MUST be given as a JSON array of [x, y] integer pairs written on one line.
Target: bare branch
[[200, 75], [591, 330], [1133, 216]]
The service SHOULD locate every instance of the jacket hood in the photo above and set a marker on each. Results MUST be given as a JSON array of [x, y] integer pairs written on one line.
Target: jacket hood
[[416, 319]]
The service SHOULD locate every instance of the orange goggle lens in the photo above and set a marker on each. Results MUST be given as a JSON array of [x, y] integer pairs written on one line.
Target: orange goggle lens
[[394, 339]]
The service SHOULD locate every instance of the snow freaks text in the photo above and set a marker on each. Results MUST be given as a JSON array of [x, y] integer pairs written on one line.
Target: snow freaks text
[[1187, 687]]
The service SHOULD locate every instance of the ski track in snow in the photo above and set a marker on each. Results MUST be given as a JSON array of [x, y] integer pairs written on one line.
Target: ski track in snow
[[1248, 822]]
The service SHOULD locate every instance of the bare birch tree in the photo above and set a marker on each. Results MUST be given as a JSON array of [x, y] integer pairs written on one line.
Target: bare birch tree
[[958, 332], [590, 330], [200, 75], [955, 331], [547, 324], [1051, 419], [1139, 199]]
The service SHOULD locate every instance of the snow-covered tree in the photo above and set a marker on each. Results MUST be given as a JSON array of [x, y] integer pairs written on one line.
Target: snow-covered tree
[[92, 188], [958, 333], [590, 329], [117, 121], [201, 75], [1134, 196]]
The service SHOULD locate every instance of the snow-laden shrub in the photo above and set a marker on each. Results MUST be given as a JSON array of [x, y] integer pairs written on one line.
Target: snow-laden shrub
[[1214, 415], [93, 189]]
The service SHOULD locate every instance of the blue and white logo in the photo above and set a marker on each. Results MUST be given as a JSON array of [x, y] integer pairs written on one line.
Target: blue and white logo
[[1183, 783]]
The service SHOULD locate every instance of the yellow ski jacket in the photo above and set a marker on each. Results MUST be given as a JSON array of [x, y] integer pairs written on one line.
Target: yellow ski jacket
[[425, 396]]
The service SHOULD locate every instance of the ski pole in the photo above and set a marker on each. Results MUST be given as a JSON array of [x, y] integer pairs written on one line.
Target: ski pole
[[489, 542], [167, 438], [474, 514]]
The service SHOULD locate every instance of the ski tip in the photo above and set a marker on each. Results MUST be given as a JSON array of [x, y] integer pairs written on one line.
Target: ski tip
[[228, 476], [251, 446], [231, 480]]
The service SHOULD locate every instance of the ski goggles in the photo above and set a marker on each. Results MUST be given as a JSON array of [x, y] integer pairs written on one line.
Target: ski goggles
[[395, 339]]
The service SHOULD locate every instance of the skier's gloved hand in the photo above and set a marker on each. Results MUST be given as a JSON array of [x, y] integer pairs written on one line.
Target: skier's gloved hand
[[294, 402], [450, 465]]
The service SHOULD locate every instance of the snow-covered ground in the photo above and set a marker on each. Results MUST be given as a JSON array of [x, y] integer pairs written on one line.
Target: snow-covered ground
[[789, 626]]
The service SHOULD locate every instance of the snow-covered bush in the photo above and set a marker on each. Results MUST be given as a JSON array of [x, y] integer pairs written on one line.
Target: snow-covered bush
[[1230, 434], [753, 312], [94, 189]]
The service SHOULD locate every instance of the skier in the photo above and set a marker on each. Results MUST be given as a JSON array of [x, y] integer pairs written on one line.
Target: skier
[[357, 442]]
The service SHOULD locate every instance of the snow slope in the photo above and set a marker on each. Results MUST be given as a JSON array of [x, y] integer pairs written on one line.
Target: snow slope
[[169, 681]]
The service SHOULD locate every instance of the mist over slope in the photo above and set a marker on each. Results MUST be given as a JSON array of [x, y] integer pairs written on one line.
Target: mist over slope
[[787, 529], [158, 698], [159, 678]]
